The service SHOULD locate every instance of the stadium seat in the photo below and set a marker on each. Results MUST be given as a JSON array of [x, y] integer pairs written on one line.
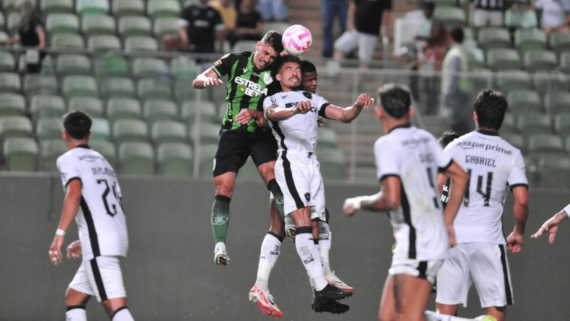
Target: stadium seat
[[12, 105], [73, 64], [451, 17], [67, 41], [100, 129], [554, 169], [3, 36], [56, 6], [130, 130], [174, 160], [516, 140], [2, 21], [117, 66], [520, 18], [153, 88], [62, 23], [523, 101], [79, 86], [14, 21], [106, 149], [134, 26], [103, 43], [98, 25], [9, 82], [482, 78], [123, 108], [227, 46], [20, 154], [164, 26], [445, 3], [39, 84], [136, 158], [530, 39], [549, 81], [90, 7], [149, 67], [47, 106], [557, 101], [503, 59], [244, 45], [545, 143], [50, 150], [187, 3], [15, 126], [119, 87], [128, 8], [491, 38], [159, 109], [206, 154], [184, 91], [275, 25], [535, 60], [327, 138], [49, 128], [140, 44], [562, 124], [332, 163], [514, 79], [205, 133], [91, 105], [7, 61], [509, 124], [559, 41], [531, 124], [167, 131], [189, 111], [163, 8]]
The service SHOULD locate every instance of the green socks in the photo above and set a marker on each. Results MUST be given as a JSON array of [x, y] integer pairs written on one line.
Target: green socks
[[220, 218], [273, 187]]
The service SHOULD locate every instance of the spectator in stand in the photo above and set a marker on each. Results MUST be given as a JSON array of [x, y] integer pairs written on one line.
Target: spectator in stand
[[274, 10], [87, 7], [249, 24], [364, 27], [31, 34], [199, 26], [555, 15], [329, 10], [487, 13], [229, 14]]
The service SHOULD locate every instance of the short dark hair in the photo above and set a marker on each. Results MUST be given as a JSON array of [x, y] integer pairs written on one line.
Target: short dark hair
[[395, 99], [285, 59], [274, 39], [447, 137], [430, 5], [77, 124], [308, 66], [490, 107], [457, 34]]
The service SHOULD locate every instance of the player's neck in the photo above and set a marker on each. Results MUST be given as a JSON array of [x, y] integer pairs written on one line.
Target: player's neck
[[72, 143], [391, 123], [487, 129]]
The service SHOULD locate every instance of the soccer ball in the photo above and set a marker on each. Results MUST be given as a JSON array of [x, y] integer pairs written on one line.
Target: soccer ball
[[297, 40]]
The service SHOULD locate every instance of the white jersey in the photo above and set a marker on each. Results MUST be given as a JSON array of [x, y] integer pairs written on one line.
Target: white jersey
[[493, 165], [100, 219], [298, 132], [413, 155]]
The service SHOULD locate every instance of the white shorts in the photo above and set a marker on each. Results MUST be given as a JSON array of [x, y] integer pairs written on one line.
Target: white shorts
[[366, 43], [100, 277], [484, 264], [482, 18], [420, 269], [299, 177]]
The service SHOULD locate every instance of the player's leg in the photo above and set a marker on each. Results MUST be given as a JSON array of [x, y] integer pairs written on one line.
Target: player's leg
[[411, 296], [78, 294], [117, 309]]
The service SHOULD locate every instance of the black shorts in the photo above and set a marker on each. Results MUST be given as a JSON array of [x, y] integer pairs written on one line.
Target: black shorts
[[235, 146]]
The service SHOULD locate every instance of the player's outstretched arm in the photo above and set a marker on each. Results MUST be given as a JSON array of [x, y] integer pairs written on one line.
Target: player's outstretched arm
[[348, 114], [70, 207], [276, 113], [74, 250], [387, 200], [459, 182], [516, 238], [206, 79], [551, 226]]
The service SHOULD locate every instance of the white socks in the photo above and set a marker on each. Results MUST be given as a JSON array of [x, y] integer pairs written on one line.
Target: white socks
[[76, 314], [122, 314], [310, 257], [270, 250], [325, 236], [432, 316]]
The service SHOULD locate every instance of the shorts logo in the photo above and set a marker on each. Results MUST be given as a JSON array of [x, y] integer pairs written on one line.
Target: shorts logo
[[219, 220], [307, 196]]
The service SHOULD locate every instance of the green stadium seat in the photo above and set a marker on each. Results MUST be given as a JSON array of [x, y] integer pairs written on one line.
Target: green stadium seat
[[7, 61], [20, 154], [531, 124], [535, 60], [134, 26], [207, 109], [451, 17], [106, 149], [327, 138], [62, 23], [557, 101], [513, 79], [174, 160], [490, 38], [545, 143], [554, 169], [136, 44], [50, 150], [56, 6], [164, 26], [562, 124], [103, 43], [509, 124], [205, 133], [523, 101], [545, 81], [163, 8], [187, 3], [332, 163], [482, 78], [227, 46], [206, 154], [75, 85], [153, 88], [9, 82], [2, 21], [167, 131], [14, 21], [136, 158], [159, 109], [117, 66], [149, 67], [559, 41], [98, 25], [520, 18], [516, 140], [47, 106], [39, 84], [119, 87], [49, 128], [244, 45], [3, 36], [100, 129], [530, 39], [128, 8], [123, 108], [73, 64], [445, 3], [12, 105], [67, 41], [91, 105], [90, 7], [503, 59], [15, 126], [184, 91], [130, 130]]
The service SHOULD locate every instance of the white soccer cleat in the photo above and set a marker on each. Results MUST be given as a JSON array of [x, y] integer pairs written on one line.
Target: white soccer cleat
[[485, 318], [265, 301], [290, 227], [220, 255], [333, 280]]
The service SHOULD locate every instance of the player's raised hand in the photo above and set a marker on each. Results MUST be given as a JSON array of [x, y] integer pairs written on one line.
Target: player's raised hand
[[212, 81], [74, 250], [515, 242], [550, 226], [303, 107], [55, 250], [364, 101]]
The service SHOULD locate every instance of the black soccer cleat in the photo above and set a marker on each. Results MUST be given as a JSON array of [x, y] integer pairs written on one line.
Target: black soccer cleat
[[333, 307], [329, 293]]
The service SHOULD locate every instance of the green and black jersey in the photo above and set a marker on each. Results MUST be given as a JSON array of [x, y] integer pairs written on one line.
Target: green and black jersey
[[246, 86]]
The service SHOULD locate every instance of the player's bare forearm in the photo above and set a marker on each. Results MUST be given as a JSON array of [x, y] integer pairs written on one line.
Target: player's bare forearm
[[276, 113], [390, 198], [459, 182], [70, 204], [520, 208], [348, 114]]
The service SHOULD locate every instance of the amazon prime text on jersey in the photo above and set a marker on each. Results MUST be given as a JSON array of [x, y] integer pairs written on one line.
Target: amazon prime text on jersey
[[250, 88]]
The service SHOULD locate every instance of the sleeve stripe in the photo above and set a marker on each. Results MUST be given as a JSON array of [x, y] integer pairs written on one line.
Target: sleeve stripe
[[72, 179], [443, 169], [518, 185], [216, 71], [383, 177]]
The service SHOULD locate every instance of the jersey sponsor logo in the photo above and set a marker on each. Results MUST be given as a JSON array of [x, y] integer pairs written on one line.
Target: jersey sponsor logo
[[426, 158], [486, 147], [89, 158], [479, 160], [250, 88], [415, 142], [219, 220], [295, 104]]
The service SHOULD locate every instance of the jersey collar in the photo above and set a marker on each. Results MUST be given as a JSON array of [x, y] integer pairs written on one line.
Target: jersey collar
[[408, 125], [83, 146], [487, 132]]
